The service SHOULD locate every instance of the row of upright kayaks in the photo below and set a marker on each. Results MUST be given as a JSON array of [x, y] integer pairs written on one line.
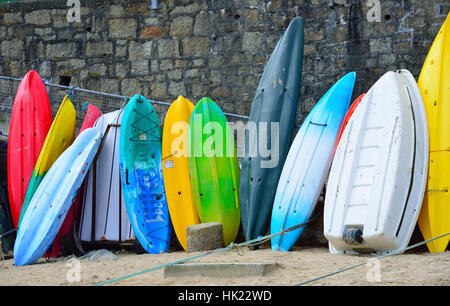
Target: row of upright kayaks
[[382, 158]]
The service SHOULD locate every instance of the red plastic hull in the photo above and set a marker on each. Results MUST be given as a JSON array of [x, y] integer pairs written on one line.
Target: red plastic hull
[[350, 112], [67, 227], [92, 114], [31, 119]]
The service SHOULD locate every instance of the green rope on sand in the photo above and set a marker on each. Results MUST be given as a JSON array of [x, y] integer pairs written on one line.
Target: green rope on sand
[[162, 266], [364, 263], [229, 247], [260, 241]]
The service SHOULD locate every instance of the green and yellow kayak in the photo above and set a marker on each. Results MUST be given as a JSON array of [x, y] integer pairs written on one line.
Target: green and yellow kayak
[[214, 168]]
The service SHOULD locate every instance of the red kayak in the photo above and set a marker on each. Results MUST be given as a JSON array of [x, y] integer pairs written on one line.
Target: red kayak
[[93, 113], [350, 112], [91, 117], [31, 119]]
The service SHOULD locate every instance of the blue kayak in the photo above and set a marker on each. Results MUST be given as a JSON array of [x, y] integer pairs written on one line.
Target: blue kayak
[[308, 163], [53, 198], [141, 175]]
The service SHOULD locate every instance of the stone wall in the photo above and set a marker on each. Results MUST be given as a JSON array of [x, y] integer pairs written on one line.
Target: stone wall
[[214, 48]]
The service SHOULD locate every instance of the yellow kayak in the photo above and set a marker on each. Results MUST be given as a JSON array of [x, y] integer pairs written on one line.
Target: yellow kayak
[[177, 181], [58, 139], [434, 83]]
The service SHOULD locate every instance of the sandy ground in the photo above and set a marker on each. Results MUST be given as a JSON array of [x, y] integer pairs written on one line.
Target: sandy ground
[[416, 268]]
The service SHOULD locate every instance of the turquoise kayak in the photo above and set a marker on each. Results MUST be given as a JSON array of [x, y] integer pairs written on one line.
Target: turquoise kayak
[[141, 175]]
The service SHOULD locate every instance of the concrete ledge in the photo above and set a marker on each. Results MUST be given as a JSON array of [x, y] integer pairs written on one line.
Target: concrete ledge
[[220, 269]]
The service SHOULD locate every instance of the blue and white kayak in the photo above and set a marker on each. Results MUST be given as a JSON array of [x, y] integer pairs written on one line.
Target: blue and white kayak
[[308, 163], [53, 198], [141, 174]]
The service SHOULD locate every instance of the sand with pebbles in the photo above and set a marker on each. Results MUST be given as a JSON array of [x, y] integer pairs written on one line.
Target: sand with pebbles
[[415, 268]]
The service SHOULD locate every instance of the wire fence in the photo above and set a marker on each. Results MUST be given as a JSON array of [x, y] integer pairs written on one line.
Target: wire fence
[[7, 93], [104, 101]]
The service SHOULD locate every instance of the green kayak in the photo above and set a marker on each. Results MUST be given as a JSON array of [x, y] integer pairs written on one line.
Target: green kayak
[[214, 168]]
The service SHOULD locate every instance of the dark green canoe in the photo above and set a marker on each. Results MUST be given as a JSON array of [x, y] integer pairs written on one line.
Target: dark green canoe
[[275, 104]]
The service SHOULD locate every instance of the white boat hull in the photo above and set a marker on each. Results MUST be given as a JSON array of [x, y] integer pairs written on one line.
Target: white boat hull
[[111, 218], [378, 176]]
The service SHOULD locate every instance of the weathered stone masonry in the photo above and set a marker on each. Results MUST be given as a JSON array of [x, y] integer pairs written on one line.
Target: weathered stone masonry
[[214, 48]]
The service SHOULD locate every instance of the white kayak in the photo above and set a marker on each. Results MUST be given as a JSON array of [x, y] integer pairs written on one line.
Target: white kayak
[[109, 221], [378, 176]]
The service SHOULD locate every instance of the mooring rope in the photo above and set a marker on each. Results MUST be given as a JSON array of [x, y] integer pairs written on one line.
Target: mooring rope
[[261, 240], [232, 245], [365, 263]]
